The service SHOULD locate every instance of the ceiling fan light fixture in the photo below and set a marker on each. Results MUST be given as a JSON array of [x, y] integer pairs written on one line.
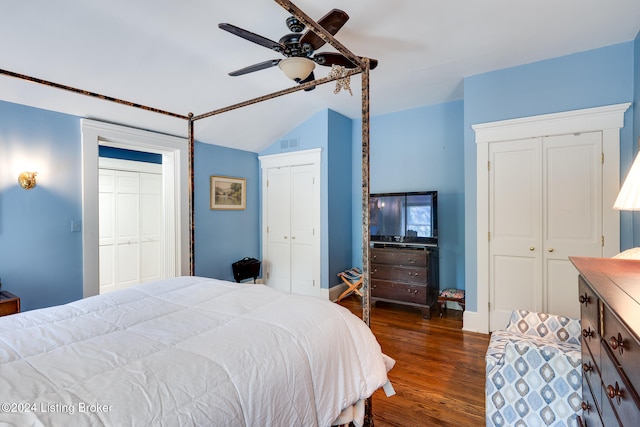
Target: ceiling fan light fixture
[[297, 68]]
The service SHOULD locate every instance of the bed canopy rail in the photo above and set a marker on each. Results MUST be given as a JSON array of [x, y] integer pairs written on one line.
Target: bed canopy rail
[[362, 66]]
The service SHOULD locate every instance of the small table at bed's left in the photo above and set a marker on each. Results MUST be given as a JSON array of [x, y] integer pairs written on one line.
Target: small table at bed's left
[[9, 303]]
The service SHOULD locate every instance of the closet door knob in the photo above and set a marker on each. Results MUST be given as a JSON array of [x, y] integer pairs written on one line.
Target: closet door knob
[[531, 248], [550, 250]]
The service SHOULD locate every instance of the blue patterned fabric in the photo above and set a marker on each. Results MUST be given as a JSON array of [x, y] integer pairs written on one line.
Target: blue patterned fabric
[[533, 372]]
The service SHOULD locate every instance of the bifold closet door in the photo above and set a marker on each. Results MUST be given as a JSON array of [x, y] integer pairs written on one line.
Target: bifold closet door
[[573, 218], [302, 230], [515, 203], [545, 205], [278, 202], [131, 222], [291, 234]]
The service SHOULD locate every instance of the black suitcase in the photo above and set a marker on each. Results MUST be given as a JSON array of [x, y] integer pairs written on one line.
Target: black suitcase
[[245, 269]]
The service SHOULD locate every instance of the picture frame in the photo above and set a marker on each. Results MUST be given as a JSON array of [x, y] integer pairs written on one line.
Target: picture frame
[[228, 193]]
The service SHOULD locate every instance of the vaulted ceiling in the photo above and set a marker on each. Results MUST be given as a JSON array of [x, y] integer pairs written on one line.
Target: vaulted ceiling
[[171, 55]]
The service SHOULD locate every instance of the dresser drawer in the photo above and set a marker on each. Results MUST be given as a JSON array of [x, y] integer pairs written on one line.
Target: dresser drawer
[[623, 346], [407, 258], [401, 274], [9, 303], [591, 375], [398, 291], [618, 392], [590, 409]]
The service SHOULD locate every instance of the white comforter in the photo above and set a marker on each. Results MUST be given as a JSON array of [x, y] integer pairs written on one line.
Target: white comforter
[[187, 351]]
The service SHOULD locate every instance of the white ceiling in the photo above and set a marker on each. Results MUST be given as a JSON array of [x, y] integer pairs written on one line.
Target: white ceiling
[[171, 55]]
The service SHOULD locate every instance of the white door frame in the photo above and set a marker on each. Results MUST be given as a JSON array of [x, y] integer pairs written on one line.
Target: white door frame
[[175, 174], [608, 119]]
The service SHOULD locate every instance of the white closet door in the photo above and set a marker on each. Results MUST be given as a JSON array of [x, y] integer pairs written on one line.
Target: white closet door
[[128, 227], [572, 214], [278, 201], [545, 201], [151, 226], [131, 223], [107, 240], [515, 190], [303, 211], [291, 221]]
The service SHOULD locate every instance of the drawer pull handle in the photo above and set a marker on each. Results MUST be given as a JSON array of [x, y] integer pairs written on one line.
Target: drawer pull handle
[[617, 343], [584, 299], [586, 367], [587, 333], [413, 274], [614, 392], [585, 407], [412, 291]]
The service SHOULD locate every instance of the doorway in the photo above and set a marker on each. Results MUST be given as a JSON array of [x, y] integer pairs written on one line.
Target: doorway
[[175, 182], [132, 223]]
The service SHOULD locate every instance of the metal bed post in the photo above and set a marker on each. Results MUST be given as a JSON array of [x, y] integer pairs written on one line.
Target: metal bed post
[[192, 219], [366, 274]]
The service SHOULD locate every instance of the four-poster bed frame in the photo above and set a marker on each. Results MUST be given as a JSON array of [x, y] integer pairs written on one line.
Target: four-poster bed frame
[[362, 66]]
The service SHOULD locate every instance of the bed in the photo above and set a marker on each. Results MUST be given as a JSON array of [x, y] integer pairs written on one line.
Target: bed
[[188, 351]]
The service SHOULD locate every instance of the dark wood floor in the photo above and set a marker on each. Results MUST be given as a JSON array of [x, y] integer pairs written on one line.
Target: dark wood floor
[[439, 371]]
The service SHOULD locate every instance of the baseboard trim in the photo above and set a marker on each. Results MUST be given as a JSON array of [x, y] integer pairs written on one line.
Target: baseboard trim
[[473, 322], [335, 291]]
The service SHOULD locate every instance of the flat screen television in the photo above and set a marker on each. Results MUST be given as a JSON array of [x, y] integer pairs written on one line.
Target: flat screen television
[[404, 217]]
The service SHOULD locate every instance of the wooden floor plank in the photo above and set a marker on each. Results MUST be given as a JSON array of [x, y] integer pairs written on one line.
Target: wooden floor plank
[[439, 371]]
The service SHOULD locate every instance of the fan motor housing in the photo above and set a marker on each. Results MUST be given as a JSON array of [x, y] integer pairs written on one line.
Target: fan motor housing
[[292, 46]]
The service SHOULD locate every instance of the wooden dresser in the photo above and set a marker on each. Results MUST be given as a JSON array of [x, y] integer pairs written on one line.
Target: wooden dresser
[[405, 275], [9, 303], [609, 293]]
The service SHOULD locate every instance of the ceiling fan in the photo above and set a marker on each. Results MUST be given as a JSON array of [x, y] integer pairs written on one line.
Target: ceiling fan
[[298, 48]]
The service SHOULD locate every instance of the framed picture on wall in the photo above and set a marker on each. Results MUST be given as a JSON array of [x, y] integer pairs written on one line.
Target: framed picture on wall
[[228, 193]]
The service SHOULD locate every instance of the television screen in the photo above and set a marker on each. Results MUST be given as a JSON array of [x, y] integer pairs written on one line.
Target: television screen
[[404, 217]]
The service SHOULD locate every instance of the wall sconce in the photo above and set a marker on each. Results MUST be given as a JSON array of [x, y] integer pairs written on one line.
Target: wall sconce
[[27, 180]]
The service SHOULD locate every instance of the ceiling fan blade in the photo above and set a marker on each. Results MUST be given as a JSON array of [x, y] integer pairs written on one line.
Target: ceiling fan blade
[[332, 22], [330, 58], [252, 37], [255, 67]]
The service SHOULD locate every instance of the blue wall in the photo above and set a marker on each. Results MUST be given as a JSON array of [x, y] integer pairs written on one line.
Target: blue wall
[[415, 150], [587, 79], [40, 257], [339, 194], [223, 237]]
